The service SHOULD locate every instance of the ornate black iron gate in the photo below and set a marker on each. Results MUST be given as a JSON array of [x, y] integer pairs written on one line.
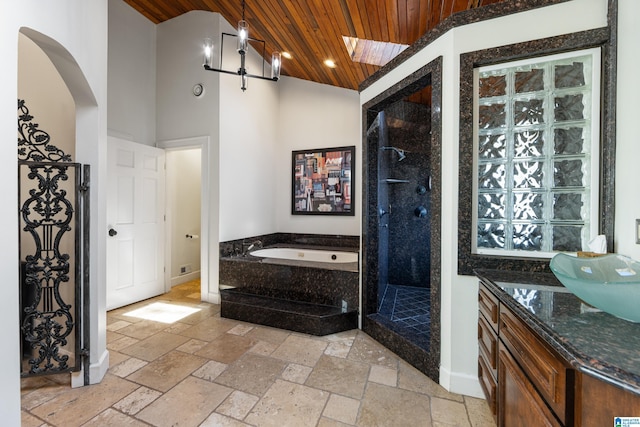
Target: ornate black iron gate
[[54, 270]]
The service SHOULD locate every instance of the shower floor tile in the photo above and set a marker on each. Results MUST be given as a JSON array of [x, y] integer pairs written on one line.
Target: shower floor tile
[[406, 310]]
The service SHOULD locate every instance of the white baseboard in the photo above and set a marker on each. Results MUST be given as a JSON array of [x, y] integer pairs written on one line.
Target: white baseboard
[[468, 385], [211, 297], [185, 278], [97, 371]]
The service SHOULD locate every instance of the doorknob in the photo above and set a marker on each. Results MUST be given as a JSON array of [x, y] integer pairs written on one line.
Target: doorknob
[[112, 232]]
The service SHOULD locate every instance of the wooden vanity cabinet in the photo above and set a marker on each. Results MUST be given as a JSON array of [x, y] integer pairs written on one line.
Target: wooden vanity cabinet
[[527, 382], [488, 346], [522, 378]]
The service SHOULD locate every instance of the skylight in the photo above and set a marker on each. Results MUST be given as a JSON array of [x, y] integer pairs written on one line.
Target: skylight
[[371, 51]]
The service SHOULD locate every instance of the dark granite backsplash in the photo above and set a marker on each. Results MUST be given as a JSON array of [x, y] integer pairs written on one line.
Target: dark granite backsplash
[[230, 247]]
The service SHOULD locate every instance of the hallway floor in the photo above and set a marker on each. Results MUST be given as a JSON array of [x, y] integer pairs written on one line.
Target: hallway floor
[[203, 370]]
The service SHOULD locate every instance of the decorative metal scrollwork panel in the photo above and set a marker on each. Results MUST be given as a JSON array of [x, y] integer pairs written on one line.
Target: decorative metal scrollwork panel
[[50, 295], [34, 143], [54, 269]]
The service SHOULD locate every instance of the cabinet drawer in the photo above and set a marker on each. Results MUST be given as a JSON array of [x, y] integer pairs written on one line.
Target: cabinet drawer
[[488, 384], [488, 305], [488, 344], [544, 369]]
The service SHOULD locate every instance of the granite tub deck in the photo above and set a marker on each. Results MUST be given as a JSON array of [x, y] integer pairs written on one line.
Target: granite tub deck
[[317, 298], [593, 342]]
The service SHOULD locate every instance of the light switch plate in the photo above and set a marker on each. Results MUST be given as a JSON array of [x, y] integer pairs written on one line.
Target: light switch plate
[[637, 231]]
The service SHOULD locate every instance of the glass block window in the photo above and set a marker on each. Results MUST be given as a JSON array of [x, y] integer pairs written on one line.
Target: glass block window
[[537, 142]]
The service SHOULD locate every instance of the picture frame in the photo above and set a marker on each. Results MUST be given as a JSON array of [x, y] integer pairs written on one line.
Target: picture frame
[[323, 181]]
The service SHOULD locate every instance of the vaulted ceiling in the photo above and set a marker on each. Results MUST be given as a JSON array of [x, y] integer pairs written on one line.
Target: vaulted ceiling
[[312, 30]]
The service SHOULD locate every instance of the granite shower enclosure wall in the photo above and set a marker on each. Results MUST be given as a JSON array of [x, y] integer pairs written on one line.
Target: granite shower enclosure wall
[[404, 198], [312, 297]]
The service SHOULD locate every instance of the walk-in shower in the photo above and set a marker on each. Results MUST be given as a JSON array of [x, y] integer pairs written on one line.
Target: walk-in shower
[[404, 233], [402, 284]]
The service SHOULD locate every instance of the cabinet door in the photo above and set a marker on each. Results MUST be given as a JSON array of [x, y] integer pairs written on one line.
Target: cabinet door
[[518, 402], [601, 402], [543, 367]]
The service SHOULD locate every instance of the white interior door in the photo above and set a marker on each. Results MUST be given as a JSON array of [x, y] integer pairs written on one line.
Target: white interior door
[[135, 222]]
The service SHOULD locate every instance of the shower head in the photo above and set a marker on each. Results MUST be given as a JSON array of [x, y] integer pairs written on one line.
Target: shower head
[[401, 153]]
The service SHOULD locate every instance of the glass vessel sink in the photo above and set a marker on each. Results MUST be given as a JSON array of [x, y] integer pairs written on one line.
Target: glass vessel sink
[[610, 282]]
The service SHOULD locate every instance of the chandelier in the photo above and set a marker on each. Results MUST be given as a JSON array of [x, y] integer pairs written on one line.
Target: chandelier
[[243, 48]]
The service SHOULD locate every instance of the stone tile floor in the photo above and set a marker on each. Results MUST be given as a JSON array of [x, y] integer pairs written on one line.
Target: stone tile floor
[[207, 371]]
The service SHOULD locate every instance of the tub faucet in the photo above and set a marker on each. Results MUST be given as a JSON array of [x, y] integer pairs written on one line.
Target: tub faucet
[[246, 247]]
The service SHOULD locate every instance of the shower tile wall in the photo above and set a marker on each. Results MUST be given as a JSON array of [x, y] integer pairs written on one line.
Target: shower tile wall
[[404, 230], [383, 206]]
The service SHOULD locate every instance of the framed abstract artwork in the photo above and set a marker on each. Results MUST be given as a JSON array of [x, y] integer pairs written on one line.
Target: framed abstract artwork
[[323, 181]]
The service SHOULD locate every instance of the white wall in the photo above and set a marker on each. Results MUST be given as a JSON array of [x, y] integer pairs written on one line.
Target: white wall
[[458, 370], [240, 127], [314, 115], [179, 67], [46, 96], [76, 42], [182, 117], [131, 75], [628, 149], [9, 303], [183, 208], [248, 151]]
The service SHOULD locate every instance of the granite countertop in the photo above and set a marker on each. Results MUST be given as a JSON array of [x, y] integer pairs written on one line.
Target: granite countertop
[[592, 341]]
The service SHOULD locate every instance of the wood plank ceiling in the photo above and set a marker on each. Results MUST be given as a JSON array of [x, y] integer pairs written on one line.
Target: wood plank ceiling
[[312, 30]]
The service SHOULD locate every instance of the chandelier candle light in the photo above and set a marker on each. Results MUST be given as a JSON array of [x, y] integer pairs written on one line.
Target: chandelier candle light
[[243, 48]]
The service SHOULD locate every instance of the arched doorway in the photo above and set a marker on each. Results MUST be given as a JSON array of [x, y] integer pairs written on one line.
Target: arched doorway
[[84, 128]]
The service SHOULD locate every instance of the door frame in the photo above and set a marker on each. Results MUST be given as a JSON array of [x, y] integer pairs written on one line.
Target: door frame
[[203, 143]]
